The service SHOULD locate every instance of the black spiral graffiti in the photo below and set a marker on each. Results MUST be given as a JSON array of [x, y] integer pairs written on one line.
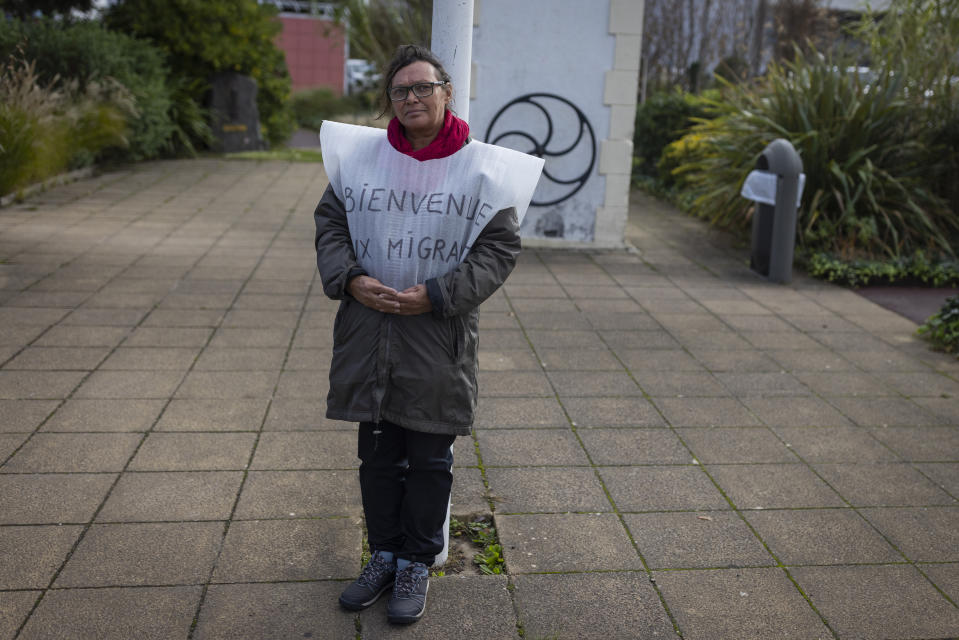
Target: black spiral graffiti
[[541, 147]]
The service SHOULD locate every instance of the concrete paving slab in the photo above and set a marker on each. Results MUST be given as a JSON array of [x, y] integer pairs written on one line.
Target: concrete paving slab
[[945, 577], [306, 450], [565, 542], [194, 452], [923, 534], [176, 318], [469, 492], [30, 556], [612, 412], [624, 446], [736, 361], [228, 384], [796, 412], [944, 410], [151, 358], [882, 484], [514, 384], [774, 486], [309, 360], [180, 496], [706, 412], [299, 414], [654, 339], [921, 444], [169, 553], [650, 488], [694, 541], [591, 605], [10, 442], [73, 453], [836, 444], [634, 320], [818, 359], [161, 613], [213, 414], [130, 384], [82, 336], [739, 603], [496, 413], [660, 384], [667, 360], [593, 383], [516, 447], [578, 360], [27, 385], [884, 601], [104, 414], [946, 475], [821, 537], [299, 494], [730, 445], [451, 611], [14, 608], [169, 337], [58, 358], [553, 320], [23, 416], [274, 610], [542, 490], [51, 498], [298, 550]]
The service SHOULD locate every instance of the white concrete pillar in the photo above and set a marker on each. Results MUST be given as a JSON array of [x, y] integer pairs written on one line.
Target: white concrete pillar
[[452, 42]]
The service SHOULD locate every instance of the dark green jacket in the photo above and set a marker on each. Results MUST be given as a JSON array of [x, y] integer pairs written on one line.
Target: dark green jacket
[[416, 371]]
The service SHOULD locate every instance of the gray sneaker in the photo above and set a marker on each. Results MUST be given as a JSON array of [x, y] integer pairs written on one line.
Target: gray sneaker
[[377, 576], [408, 601]]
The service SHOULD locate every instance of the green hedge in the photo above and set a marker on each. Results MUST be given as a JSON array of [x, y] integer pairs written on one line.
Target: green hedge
[[87, 52]]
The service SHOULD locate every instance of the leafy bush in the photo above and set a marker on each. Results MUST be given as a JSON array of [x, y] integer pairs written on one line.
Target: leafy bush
[[859, 273], [86, 53], [312, 107], [662, 119], [47, 129], [202, 37], [865, 195], [942, 329]]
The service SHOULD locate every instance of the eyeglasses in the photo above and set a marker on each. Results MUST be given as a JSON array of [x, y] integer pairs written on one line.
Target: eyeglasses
[[420, 90]]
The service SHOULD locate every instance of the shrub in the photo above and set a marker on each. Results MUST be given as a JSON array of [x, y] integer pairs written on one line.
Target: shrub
[[202, 37], [942, 329], [865, 195], [86, 53], [47, 129], [859, 273], [312, 107], [662, 119]]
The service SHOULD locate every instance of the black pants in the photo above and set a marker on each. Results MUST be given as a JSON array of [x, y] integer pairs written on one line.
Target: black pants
[[405, 479]]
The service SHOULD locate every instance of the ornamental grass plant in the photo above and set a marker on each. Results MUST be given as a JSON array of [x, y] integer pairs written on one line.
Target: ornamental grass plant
[[866, 164], [46, 129]]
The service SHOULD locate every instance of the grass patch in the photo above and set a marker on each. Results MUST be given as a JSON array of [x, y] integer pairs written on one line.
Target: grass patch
[[283, 155], [480, 532]]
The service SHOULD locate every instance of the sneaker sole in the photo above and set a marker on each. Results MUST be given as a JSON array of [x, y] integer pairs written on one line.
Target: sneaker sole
[[359, 606]]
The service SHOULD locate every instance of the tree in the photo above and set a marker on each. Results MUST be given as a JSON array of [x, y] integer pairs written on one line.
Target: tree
[[684, 41], [26, 8], [204, 37], [377, 27]]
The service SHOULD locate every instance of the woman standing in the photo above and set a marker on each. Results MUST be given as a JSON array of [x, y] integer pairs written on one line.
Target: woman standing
[[418, 227]]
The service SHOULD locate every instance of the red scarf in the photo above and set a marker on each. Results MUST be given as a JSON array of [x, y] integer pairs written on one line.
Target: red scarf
[[449, 140]]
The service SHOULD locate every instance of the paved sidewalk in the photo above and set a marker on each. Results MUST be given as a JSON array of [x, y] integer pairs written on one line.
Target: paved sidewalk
[[674, 448]]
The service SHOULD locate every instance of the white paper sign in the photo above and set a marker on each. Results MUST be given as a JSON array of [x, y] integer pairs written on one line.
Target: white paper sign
[[760, 186], [410, 220]]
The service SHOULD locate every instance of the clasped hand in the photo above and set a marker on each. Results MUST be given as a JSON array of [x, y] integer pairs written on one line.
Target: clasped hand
[[374, 294]]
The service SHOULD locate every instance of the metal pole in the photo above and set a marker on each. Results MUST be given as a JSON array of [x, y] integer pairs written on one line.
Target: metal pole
[[452, 42]]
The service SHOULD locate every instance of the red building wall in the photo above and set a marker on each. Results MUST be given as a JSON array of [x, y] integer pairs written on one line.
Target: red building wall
[[315, 52]]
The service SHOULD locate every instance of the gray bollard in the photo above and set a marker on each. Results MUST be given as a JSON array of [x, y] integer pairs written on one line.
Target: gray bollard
[[774, 222]]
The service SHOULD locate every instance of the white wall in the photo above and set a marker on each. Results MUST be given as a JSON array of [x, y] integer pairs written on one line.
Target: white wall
[[559, 47]]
